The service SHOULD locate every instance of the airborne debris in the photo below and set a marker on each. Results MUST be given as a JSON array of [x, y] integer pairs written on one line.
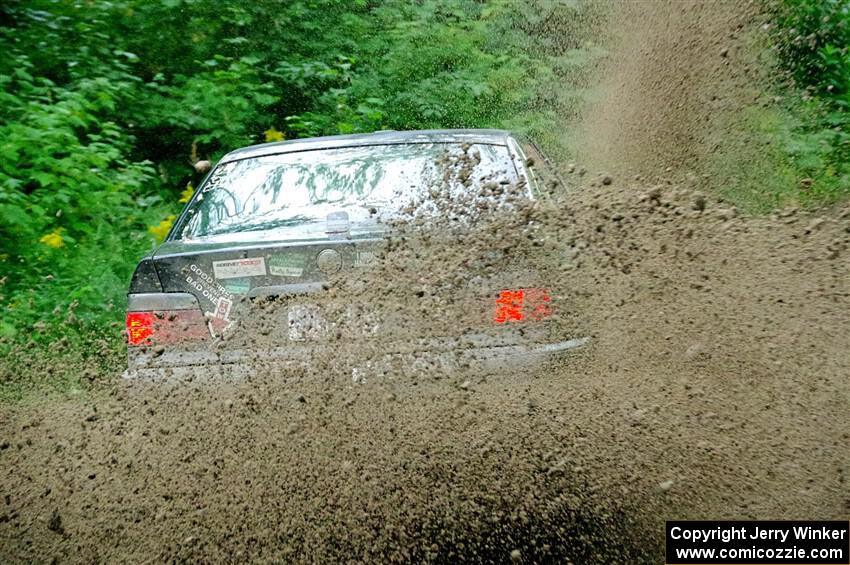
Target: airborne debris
[[55, 523]]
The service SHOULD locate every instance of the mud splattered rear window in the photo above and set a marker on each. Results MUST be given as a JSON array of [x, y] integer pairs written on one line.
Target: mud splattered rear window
[[298, 189]]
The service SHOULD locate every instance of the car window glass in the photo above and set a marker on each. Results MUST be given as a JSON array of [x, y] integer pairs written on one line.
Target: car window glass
[[292, 189]]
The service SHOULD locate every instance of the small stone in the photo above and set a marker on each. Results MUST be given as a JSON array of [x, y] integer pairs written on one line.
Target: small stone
[[300, 398], [516, 556], [725, 214], [724, 52], [814, 224], [55, 523], [694, 351], [606, 180], [465, 385], [665, 486]]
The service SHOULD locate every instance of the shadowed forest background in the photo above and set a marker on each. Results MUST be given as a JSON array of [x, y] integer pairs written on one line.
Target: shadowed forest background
[[106, 106]]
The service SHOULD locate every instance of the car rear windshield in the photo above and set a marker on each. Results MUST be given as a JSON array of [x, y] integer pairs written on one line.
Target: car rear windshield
[[293, 189]]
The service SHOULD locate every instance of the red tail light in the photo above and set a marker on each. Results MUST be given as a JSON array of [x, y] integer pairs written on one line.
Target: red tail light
[[139, 327], [521, 305], [169, 326]]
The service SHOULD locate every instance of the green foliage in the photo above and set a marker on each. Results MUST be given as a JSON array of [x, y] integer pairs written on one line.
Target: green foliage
[[812, 41], [63, 169]]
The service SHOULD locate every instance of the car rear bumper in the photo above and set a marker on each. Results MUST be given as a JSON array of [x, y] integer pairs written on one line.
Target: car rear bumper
[[359, 362]]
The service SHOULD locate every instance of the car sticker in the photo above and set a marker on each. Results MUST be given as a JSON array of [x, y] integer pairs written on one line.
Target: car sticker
[[286, 265], [207, 286], [238, 268], [222, 310], [237, 286], [364, 258]]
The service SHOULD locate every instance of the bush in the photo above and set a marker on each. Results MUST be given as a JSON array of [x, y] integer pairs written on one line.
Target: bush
[[812, 41], [63, 171]]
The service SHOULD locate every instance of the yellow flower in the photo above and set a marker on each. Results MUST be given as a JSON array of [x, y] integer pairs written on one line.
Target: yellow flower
[[274, 135], [187, 193], [53, 239], [161, 230]]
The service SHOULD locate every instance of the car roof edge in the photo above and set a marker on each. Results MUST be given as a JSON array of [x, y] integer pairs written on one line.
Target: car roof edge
[[385, 137]]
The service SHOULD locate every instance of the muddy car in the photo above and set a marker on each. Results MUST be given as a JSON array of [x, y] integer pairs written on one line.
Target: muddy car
[[391, 251]]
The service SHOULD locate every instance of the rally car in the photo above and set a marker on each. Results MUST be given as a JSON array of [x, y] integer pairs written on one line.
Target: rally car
[[289, 254]]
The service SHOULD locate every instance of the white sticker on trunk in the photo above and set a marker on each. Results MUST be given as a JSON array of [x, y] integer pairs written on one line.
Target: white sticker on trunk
[[237, 268], [222, 310], [286, 266], [364, 258], [286, 271]]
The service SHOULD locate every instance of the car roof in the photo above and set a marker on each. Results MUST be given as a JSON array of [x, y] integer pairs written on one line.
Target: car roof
[[389, 137]]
